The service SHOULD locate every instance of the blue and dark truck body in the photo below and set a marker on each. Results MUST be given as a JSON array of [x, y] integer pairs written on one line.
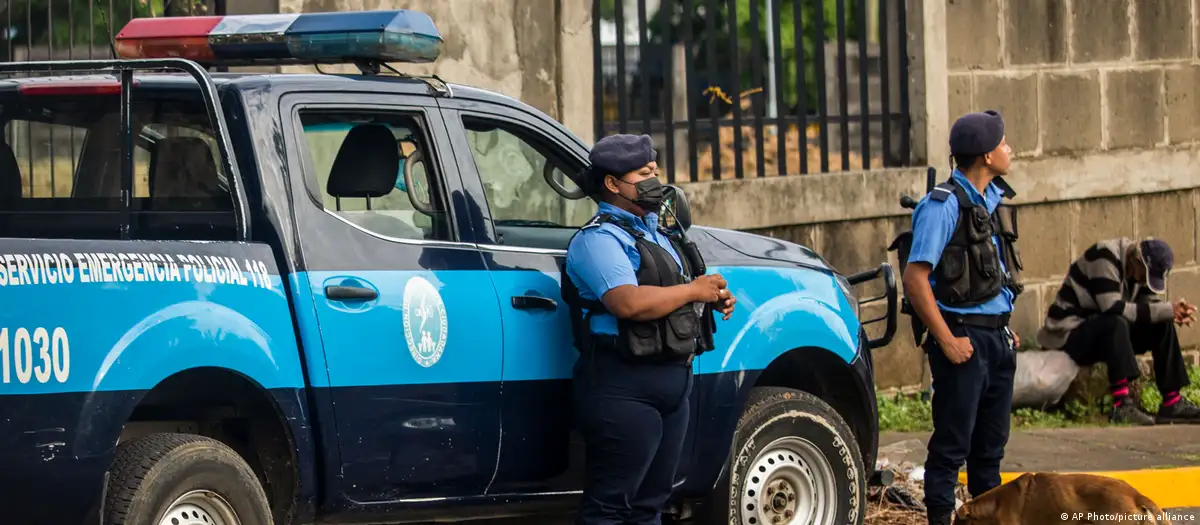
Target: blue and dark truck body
[[362, 374]]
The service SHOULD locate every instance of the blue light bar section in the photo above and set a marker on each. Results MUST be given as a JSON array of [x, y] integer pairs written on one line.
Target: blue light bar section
[[252, 37], [391, 36]]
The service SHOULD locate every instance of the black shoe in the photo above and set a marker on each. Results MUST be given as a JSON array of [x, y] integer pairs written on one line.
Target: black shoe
[[1129, 412], [1183, 411], [940, 518]]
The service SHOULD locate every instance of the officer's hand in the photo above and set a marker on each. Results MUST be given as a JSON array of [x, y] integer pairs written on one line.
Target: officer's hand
[[958, 350], [726, 304], [708, 287]]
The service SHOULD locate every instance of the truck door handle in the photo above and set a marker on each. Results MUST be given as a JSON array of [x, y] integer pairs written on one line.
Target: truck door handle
[[350, 293], [533, 302]]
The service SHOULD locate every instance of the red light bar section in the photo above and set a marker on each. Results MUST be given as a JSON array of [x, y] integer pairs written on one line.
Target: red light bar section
[[98, 87], [181, 37]]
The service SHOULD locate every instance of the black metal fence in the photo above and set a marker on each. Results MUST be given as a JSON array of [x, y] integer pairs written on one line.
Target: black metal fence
[[68, 30], [738, 88]]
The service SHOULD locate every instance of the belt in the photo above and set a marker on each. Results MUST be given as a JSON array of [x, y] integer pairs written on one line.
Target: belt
[[981, 320]]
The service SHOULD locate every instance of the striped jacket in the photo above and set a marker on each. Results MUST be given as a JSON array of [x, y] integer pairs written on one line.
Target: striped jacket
[[1096, 284]]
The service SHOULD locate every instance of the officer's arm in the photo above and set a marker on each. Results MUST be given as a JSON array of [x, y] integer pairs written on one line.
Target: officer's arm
[[599, 261], [646, 303], [920, 294], [933, 226]]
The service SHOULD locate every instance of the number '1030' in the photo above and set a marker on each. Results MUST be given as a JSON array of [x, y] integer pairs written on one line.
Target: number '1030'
[[40, 355]]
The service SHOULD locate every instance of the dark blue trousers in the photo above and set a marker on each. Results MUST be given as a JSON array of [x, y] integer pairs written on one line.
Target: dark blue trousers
[[972, 409], [633, 418]]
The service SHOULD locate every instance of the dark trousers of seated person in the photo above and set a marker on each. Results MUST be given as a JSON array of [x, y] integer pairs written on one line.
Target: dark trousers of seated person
[[972, 407], [1113, 340]]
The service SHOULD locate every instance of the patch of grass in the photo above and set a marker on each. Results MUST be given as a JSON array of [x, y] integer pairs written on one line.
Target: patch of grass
[[1151, 397], [904, 414]]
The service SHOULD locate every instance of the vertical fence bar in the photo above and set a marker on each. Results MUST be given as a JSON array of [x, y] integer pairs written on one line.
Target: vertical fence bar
[[885, 92], [689, 67], [902, 23], [843, 89], [50, 52], [71, 56], [864, 85], [777, 90], [710, 19], [28, 57], [622, 96], [801, 84], [91, 31], [735, 63], [819, 72], [665, 13], [757, 76], [598, 74], [108, 27], [643, 64]]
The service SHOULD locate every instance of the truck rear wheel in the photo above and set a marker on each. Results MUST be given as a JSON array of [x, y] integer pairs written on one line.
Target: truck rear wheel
[[795, 462], [183, 479]]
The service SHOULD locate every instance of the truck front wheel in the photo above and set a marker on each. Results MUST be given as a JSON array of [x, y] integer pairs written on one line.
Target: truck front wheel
[[795, 462], [183, 479]]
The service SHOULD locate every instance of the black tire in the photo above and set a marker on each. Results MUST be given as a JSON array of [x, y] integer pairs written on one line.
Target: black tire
[[773, 413], [151, 472]]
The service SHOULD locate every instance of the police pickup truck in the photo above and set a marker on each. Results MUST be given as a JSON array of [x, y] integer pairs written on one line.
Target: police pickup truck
[[237, 298]]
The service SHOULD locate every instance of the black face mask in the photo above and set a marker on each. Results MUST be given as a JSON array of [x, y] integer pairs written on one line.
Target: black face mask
[[649, 194]]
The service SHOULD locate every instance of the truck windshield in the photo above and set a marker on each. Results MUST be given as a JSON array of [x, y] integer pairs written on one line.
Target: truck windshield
[[61, 165]]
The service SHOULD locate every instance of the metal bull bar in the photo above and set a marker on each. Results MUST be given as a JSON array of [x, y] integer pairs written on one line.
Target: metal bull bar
[[883, 271], [208, 91]]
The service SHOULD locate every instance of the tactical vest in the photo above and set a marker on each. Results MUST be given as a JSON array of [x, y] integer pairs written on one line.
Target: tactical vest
[[683, 333], [969, 273]]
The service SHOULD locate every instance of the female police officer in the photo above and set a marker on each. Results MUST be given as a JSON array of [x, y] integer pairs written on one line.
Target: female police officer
[[635, 315]]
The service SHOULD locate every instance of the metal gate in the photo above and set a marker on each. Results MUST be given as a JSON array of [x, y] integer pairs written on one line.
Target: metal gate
[[755, 88], [38, 30]]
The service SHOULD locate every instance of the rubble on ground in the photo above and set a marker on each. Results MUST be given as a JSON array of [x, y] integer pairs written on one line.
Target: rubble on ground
[[901, 503]]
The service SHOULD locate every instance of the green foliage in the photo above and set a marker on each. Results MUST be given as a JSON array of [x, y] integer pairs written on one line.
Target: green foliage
[[66, 22], [790, 46], [1152, 398], [904, 414]]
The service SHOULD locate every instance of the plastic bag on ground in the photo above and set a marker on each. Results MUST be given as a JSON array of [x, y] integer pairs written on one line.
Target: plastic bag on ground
[[1042, 377]]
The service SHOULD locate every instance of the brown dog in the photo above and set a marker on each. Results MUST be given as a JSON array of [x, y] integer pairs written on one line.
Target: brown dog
[[1049, 498]]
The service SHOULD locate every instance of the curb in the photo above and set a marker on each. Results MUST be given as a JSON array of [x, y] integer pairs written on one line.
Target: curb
[[1167, 487]]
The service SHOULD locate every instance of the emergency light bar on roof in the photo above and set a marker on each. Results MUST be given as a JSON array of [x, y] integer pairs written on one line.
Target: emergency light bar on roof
[[309, 38]]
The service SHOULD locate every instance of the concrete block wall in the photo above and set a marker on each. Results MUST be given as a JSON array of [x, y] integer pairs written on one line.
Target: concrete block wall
[[1074, 77], [1102, 104]]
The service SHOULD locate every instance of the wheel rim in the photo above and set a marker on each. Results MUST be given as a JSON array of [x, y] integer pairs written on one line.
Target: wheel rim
[[789, 483], [200, 507]]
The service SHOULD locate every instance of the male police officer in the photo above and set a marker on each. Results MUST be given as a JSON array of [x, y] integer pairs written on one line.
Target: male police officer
[[959, 280], [637, 316]]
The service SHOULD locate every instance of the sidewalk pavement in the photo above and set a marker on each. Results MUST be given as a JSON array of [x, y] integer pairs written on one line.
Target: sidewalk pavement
[[1163, 462]]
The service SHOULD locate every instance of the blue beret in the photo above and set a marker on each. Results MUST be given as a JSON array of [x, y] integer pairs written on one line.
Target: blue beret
[[620, 154], [976, 133]]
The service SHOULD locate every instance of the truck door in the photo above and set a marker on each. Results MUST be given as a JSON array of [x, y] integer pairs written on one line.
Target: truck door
[[404, 310], [524, 238]]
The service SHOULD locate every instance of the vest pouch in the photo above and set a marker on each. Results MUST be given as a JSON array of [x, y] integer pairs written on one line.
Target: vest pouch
[[682, 329], [642, 339], [987, 263], [953, 263], [981, 225]]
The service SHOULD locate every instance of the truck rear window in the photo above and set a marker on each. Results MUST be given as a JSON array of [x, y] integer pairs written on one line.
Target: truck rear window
[[61, 167]]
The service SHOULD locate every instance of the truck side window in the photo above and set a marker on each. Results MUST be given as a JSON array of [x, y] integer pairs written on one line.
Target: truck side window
[[405, 203], [525, 209], [61, 169]]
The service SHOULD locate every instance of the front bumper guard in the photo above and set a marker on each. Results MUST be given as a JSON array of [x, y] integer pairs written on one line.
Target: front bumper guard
[[883, 271]]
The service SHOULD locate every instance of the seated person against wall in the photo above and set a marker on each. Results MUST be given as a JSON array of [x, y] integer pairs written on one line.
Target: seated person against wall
[[1108, 310]]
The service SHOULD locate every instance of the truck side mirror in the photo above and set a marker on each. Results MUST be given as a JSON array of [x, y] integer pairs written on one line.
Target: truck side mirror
[[676, 213]]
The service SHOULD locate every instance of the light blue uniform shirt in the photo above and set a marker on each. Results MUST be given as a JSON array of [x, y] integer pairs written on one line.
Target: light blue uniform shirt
[[934, 224], [604, 257]]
